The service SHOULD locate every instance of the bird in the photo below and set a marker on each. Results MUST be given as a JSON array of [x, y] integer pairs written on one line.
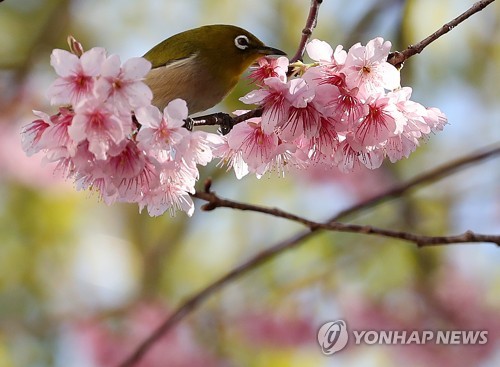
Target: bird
[[202, 65]]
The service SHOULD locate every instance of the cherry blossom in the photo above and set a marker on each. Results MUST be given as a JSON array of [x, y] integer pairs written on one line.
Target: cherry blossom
[[270, 67], [177, 181], [199, 149], [255, 146], [303, 118], [273, 97], [56, 139], [366, 67], [161, 134], [170, 196], [122, 84], [231, 158], [345, 110], [322, 52], [285, 155], [436, 119], [100, 125], [32, 133], [381, 121], [324, 144], [76, 75]]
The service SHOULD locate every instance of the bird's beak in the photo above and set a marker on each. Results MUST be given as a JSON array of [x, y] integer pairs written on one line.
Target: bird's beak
[[265, 50]]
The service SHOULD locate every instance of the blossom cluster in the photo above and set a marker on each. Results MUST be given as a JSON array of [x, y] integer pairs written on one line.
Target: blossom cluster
[[345, 110], [107, 136]]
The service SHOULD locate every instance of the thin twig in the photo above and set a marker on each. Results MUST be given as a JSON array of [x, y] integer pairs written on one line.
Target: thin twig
[[265, 256], [214, 201], [433, 175], [312, 20], [397, 58]]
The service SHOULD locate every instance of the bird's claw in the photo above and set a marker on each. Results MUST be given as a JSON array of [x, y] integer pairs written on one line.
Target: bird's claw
[[225, 123], [188, 124]]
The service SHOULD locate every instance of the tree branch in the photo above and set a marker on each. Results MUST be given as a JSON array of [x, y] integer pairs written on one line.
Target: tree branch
[[214, 201], [312, 20], [265, 256], [433, 175], [399, 57]]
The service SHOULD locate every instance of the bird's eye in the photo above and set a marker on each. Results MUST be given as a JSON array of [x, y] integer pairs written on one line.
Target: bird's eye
[[242, 42]]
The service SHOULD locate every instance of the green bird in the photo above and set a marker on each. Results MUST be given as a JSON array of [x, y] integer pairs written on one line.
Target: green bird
[[202, 65]]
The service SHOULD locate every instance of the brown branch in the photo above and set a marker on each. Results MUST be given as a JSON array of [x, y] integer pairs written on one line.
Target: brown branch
[[312, 20], [192, 303], [431, 176], [214, 201], [265, 256], [399, 57]]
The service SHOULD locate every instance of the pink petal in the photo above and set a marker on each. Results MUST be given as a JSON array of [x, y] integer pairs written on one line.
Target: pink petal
[[77, 130], [391, 77], [176, 109], [144, 137], [149, 116], [103, 88], [99, 147], [377, 49], [136, 68], [116, 128], [255, 96], [92, 61], [59, 92], [64, 63], [111, 67], [319, 50], [139, 95]]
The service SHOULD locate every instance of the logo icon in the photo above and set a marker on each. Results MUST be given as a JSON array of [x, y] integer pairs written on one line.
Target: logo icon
[[332, 336]]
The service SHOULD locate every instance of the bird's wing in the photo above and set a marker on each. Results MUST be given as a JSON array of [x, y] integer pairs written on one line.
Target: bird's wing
[[170, 51], [180, 62]]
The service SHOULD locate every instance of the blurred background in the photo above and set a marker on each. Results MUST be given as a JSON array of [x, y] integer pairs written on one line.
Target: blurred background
[[82, 283]]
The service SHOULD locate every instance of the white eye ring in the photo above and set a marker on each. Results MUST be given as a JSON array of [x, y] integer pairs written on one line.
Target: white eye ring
[[242, 42]]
